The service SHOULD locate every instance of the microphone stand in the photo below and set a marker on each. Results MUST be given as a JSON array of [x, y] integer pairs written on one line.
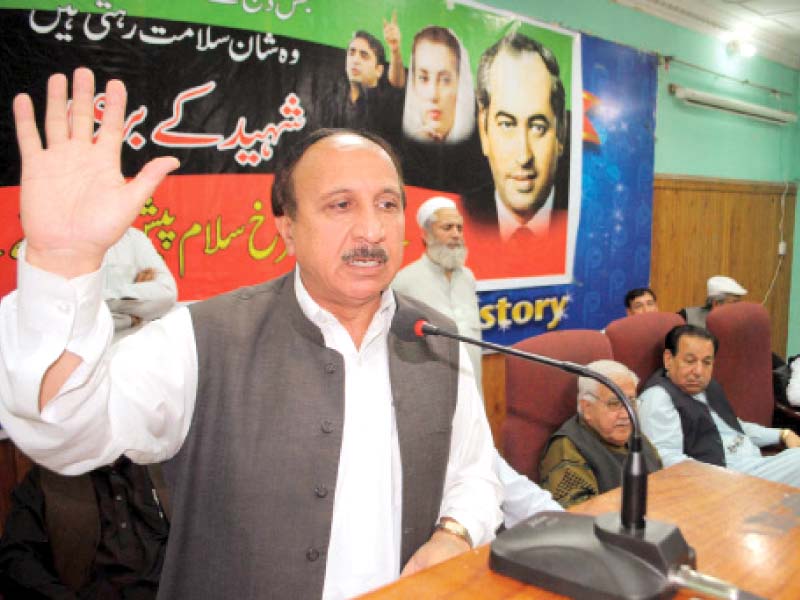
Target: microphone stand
[[614, 555]]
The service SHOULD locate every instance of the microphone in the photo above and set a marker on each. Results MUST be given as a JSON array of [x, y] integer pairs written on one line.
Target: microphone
[[612, 555], [634, 481]]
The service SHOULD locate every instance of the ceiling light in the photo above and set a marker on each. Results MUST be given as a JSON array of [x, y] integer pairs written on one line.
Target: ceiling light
[[738, 47]]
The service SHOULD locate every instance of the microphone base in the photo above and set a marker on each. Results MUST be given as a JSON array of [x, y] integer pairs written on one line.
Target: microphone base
[[586, 557]]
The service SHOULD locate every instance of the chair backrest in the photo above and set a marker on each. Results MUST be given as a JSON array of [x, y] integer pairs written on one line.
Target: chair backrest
[[540, 398], [743, 365], [637, 341]]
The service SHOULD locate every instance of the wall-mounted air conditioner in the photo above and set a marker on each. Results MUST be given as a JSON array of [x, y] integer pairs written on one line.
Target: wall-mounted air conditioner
[[746, 109]]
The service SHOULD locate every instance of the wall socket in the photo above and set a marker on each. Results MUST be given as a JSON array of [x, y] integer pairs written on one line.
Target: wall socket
[[782, 248]]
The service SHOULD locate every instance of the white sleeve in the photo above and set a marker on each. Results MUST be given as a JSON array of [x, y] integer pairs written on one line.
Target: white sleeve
[[472, 492], [147, 300], [793, 389], [137, 398], [661, 424], [761, 436], [522, 498]]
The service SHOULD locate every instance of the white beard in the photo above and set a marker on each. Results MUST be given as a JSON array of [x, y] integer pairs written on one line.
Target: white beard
[[449, 259]]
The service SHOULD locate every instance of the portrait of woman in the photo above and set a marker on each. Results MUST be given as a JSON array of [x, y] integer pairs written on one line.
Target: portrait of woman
[[440, 100]]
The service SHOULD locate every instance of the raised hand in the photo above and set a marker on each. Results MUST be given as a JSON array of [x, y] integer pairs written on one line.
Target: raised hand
[[396, 74], [74, 201], [391, 33]]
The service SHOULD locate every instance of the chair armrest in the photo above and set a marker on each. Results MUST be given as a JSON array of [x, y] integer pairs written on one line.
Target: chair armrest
[[788, 411]]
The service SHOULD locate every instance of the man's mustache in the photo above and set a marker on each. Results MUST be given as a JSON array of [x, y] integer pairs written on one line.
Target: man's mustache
[[366, 253]]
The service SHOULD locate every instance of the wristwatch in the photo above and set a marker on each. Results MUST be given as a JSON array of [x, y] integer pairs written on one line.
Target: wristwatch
[[784, 434], [454, 527]]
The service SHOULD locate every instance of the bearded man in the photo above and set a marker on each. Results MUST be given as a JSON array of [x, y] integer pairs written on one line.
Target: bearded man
[[439, 278]]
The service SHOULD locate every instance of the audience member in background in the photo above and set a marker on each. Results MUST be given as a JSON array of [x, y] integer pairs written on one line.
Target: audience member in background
[[100, 536], [721, 290], [440, 279], [686, 414], [584, 457], [138, 285], [640, 300], [245, 395]]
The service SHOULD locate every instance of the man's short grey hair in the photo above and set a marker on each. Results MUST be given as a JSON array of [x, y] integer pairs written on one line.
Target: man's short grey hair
[[588, 389]]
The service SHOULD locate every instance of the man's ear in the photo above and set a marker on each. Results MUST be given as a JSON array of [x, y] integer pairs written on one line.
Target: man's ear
[[284, 225], [379, 69], [668, 358]]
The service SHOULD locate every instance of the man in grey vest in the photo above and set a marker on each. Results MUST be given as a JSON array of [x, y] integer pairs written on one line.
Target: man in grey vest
[[686, 415], [585, 456], [313, 448]]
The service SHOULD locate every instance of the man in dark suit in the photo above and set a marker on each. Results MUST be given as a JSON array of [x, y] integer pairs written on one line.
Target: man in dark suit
[[523, 130]]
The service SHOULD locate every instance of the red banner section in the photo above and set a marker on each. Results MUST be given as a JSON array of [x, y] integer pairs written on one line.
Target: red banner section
[[215, 232]]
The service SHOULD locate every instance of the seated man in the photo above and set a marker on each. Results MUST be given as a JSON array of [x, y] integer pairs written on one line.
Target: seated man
[[720, 290], [100, 535], [584, 457], [138, 286], [640, 300], [686, 414]]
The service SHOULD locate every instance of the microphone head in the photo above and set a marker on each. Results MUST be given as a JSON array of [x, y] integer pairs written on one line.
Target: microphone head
[[405, 322], [419, 327]]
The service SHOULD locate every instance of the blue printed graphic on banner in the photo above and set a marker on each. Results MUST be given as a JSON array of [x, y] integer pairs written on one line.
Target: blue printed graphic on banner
[[612, 253]]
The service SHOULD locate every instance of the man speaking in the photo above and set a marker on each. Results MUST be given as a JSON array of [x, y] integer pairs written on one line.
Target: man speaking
[[311, 450]]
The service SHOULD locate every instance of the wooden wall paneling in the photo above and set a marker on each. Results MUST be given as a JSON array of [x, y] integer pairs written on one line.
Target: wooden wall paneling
[[704, 227], [494, 394], [760, 224]]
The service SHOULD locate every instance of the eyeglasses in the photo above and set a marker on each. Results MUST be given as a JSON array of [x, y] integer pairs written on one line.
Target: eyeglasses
[[614, 404]]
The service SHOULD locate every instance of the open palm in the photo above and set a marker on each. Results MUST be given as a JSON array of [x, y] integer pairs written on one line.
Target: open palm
[[74, 202]]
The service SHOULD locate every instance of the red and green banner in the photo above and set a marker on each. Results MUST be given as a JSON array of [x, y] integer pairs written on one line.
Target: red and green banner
[[227, 86]]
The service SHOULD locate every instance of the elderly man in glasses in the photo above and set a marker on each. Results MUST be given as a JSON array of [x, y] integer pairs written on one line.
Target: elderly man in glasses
[[584, 457]]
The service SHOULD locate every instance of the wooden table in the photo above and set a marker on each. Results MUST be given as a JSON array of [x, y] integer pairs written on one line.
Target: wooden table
[[745, 530]]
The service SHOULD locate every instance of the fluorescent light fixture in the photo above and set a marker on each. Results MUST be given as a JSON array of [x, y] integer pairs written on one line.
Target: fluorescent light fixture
[[740, 48], [747, 49], [738, 107]]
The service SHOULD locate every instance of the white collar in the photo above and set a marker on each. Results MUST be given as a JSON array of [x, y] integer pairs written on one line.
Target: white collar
[[321, 317], [539, 223]]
